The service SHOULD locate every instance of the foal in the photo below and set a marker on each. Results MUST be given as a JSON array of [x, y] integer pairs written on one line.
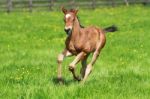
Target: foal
[[81, 42]]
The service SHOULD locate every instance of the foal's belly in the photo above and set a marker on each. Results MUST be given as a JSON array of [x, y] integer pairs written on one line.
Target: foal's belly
[[77, 48], [88, 47]]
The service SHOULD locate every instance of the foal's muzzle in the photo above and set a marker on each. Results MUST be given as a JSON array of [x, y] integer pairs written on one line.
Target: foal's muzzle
[[68, 31]]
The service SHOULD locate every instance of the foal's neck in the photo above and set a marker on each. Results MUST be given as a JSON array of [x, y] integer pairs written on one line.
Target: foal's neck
[[76, 27]]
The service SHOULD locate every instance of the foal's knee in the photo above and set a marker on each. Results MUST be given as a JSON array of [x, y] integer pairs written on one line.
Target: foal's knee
[[71, 67], [96, 53], [60, 58]]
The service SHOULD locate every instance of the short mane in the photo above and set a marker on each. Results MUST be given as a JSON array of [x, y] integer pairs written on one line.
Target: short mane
[[80, 22]]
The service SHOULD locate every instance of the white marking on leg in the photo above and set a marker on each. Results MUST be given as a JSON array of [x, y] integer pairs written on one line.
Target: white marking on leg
[[60, 57], [68, 53], [87, 72]]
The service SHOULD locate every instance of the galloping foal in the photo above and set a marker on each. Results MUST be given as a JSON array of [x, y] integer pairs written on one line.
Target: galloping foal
[[81, 42]]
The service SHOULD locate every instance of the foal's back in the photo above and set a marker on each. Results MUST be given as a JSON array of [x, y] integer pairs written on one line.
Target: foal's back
[[89, 38]]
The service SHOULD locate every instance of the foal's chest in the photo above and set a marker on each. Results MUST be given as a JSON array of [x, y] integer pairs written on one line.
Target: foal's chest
[[72, 47]]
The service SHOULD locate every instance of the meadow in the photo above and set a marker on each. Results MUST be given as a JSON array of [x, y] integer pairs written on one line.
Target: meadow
[[30, 43]]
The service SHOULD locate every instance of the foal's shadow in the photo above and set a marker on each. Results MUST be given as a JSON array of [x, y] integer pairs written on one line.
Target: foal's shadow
[[62, 81]]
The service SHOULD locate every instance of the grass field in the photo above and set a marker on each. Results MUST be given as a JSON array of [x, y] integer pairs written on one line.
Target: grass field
[[30, 43]]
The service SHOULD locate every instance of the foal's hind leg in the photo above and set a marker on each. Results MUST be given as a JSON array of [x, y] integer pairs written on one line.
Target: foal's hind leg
[[89, 66], [73, 64], [84, 64], [100, 45]]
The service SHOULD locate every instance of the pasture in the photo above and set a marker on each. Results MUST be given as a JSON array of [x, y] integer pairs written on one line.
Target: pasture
[[30, 43]]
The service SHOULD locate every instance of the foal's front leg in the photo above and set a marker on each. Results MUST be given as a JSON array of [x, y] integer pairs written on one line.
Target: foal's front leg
[[73, 64], [60, 59]]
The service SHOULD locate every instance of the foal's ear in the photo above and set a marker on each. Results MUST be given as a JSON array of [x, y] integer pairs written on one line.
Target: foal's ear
[[64, 10], [74, 11]]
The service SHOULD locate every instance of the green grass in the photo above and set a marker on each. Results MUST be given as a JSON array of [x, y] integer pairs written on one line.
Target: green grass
[[30, 43]]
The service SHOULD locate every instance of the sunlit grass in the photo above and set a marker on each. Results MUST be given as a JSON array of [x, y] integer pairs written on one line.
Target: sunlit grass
[[30, 43]]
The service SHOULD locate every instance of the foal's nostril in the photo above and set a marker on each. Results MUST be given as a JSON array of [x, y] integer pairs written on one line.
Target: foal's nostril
[[67, 30]]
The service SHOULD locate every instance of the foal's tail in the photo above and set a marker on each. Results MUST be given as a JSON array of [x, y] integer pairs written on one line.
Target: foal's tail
[[112, 28]]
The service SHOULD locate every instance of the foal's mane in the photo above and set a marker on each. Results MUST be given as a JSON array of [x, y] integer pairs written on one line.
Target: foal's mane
[[80, 22]]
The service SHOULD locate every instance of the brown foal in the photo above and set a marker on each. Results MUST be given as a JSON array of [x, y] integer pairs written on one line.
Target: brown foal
[[81, 42]]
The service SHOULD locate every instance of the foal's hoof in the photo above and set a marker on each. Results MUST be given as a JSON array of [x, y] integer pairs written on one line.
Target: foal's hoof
[[60, 80], [71, 68], [78, 78], [82, 82]]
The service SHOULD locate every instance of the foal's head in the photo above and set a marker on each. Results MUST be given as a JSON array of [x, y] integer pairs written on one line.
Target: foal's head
[[69, 19]]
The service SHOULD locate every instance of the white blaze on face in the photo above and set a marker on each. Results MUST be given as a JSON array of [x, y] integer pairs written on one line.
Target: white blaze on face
[[68, 27], [68, 15]]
